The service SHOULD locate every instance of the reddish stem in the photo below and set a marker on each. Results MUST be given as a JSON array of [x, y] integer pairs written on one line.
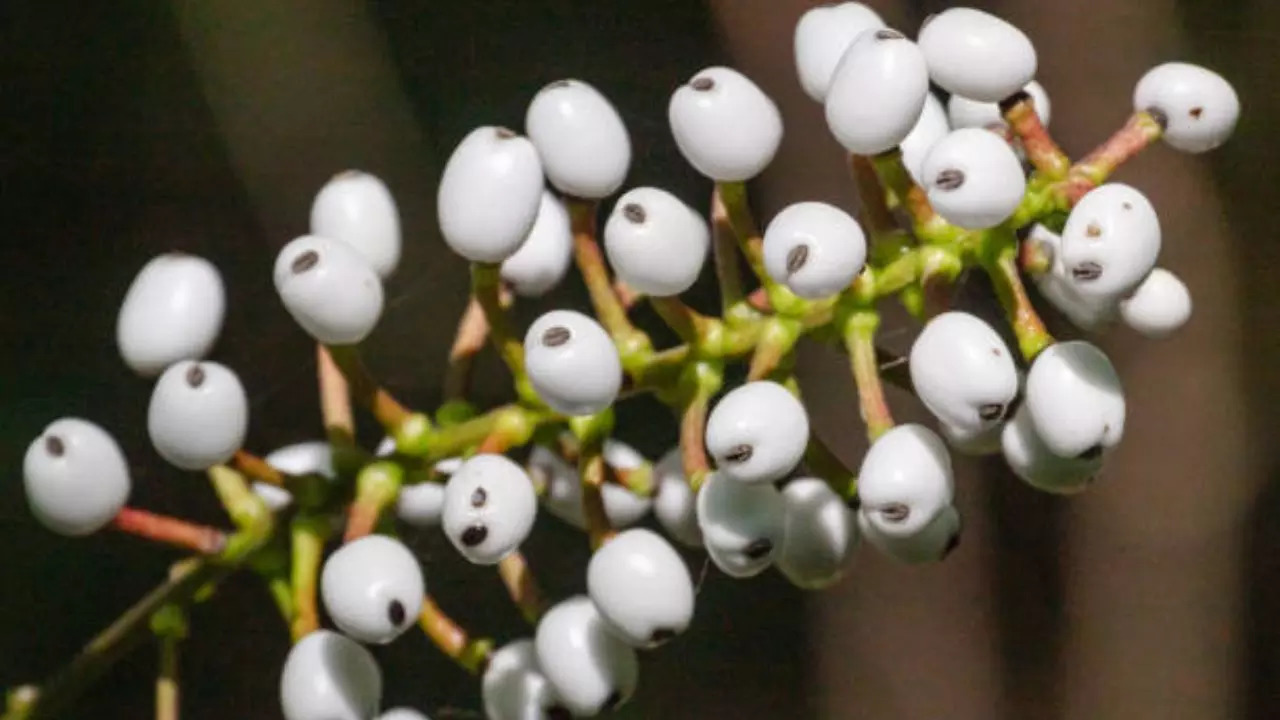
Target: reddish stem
[[170, 531], [522, 586], [1140, 131], [1019, 111], [385, 408]]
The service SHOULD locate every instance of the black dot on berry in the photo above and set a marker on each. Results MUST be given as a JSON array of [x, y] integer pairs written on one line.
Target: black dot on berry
[[396, 613], [991, 411], [474, 535], [895, 512], [888, 34], [758, 548], [739, 453], [304, 262], [797, 257], [661, 635], [54, 446], [479, 497], [634, 212], [504, 133], [195, 376], [556, 336], [612, 702], [702, 84], [1196, 112], [950, 179]]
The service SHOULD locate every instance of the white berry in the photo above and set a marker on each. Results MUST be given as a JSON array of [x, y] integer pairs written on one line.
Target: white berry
[[930, 127], [198, 415], [305, 458], [822, 35], [965, 112], [172, 311], [742, 524], [1111, 241], [357, 208], [489, 194], [976, 54], [514, 688], [724, 124], [877, 93], [655, 242], [563, 495], [905, 481], [975, 442], [1030, 459], [758, 432], [372, 588], [641, 587], [328, 676], [581, 140], [543, 258], [1198, 106], [1058, 287], [590, 669], [815, 249], [674, 505], [402, 713], [1159, 307], [973, 178], [932, 543], [489, 508], [572, 363], [75, 477], [819, 534], [1075, 399], [963, 372], [421, 504], [329, 289]]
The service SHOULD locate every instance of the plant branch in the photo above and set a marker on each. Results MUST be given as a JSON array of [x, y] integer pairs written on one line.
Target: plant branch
[[860, 328], [1141, 130], [521, 585], [472, 655], [307, 534], [335, 400], [1020, 113], [724, 253], [1000, 260]]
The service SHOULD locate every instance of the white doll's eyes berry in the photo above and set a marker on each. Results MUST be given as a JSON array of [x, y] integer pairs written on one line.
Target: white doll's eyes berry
[[877, 93], [591, 670], [814, 248], [514, 688], [724, 124], [905, 481], [1111, 241], [543, 258], [1075, 399], [572, 363], [976, 54], [973, 178], [172, 311], [305, 458], [402, 713], [757, 432], [973, 441], [674, 505], [372, 588], [328, 676], [198, 415], [489, 508], [357, 208], [581, 140], [420, 504], [1058, 287], [641, 587], [930, 127], [563, 492], [75, 477], [963, 372], [1197, 106], [742, 524], [963, 112], [655, 242], [1033, 461], [819, 534], [821, 38], [329, 289], [489, 194], [1159, 307], [934, 542]]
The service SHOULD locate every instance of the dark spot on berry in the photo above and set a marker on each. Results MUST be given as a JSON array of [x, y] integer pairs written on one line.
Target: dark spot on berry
[[950, 179], [1087, 271], [1126, 205], [305, 262], [54, 446], [739, 453], [758, 549], [991, 411], [1093, 230], [952, 544], [661, 635], [796, 258], [887, 34], [612, 702], [479, 497], [504, 133], [396, 613], [474, 535], [895, 512], [997, 351], [1196, 112], [556, 336], [1160, 116], [195, 376], [702, 84], [1092, 453], [558, 712], [634, 212]]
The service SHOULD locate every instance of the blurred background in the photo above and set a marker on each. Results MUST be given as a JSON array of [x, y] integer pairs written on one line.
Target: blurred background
[[135, 127]]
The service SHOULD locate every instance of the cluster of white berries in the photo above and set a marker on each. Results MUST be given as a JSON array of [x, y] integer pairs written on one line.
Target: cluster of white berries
[[511, 202]]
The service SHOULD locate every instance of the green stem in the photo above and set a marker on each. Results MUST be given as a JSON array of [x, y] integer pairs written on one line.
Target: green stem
[[486, 288], [751, 243], [591, 432], [724, 252], [631, 342], [860, 328], [307, 537], [1000, 260]]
